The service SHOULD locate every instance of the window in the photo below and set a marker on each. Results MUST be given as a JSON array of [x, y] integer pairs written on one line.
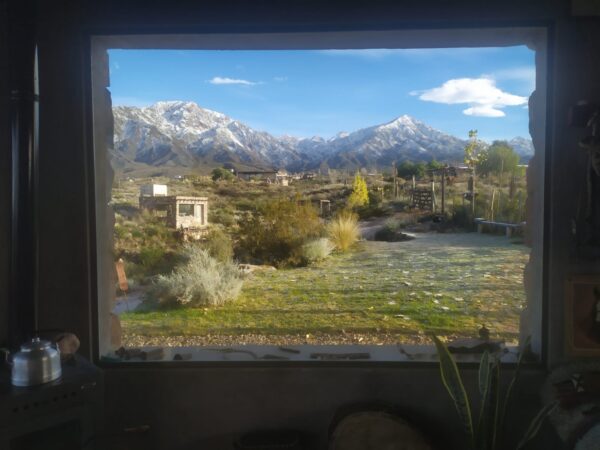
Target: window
[[186, 210], [262, 258]]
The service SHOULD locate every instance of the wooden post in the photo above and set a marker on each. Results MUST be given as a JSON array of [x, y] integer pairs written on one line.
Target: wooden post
[[443, 188], [492, 207], [395, 179], [433, 205]]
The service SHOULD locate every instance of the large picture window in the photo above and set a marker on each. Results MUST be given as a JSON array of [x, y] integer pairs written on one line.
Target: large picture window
[[325, 196]]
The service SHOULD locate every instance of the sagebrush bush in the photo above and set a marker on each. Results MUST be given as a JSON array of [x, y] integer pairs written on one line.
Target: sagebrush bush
[[201, 281], [343, 230], [317, 250]]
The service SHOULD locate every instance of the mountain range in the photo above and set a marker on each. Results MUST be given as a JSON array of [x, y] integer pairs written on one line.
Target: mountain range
[[175, 135]]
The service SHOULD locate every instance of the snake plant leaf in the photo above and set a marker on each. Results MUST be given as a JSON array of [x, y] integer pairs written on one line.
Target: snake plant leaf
[[454, 385], [484, 372], [511, 386], [488, 414], [494, 404], [536, 424]]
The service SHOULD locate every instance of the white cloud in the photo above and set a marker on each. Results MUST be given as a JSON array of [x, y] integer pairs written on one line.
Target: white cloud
[[280, 79], [482, 95], [484, 111], [225, 80], [524, 73]]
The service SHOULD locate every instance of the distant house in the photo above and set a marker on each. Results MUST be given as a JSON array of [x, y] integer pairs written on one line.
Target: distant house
[[187, 214], [263, 175], [282, 177]]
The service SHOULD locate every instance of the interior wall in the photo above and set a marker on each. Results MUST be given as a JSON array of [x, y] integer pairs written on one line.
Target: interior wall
[[64, 249], [192, 409], [5, 179], [576, 71], [188, 406]]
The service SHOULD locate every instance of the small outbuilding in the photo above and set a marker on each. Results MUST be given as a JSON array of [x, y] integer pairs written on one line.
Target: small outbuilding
[[183, 213]]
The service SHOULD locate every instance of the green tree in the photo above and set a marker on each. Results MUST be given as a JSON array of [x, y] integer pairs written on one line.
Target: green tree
[[407, 169], [500, 158], [434, 164], [220, 173], [360, 192]]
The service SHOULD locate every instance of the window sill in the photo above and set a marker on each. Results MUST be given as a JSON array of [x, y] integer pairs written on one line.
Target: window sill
[[270, 355]]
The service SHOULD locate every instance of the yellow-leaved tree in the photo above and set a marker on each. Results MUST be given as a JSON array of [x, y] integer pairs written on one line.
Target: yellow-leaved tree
[[360, 193]]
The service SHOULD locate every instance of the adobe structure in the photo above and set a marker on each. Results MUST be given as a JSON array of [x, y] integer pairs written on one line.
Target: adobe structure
[[187, 214]]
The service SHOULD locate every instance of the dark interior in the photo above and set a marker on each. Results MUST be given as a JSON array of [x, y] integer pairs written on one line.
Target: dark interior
[[206, 406]]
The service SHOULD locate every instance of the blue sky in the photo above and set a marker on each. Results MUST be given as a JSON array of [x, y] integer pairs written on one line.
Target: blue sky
[[305, 93]]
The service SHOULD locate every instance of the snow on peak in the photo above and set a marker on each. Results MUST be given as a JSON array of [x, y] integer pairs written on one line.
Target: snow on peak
[[402, 121]]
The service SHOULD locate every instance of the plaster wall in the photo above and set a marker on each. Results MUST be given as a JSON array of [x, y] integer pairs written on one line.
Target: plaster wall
[[188, 407]]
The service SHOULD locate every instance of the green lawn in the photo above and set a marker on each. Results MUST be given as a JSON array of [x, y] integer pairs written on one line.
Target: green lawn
[[380, 293]]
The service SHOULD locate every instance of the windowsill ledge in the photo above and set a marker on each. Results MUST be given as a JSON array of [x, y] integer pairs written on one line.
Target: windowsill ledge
[[306, 354]]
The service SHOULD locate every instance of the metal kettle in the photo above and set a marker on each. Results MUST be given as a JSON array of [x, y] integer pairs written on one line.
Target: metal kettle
[[38, 362]]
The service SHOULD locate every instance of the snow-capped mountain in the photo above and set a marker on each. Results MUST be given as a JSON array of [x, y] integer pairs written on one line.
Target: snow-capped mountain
[[523, 147], [182, 134]]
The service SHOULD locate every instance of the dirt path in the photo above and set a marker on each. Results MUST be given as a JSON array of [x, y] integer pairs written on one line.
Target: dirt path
[[368, 228]]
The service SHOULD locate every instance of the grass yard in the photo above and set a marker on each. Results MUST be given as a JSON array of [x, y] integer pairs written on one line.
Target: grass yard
[[381, 293]]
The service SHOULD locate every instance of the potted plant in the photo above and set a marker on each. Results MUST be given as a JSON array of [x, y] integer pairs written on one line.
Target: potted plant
[[488, 431]]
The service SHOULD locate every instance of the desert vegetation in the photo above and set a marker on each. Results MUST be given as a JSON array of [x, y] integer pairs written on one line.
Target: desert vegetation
[[201, 280], [324, 279]]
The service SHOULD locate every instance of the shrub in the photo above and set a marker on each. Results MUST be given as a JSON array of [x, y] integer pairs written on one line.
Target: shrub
[[343, 230], [373, 210], [223, 216], [201, 281], [317, 250], [218, 244], [462, 216], [276, 230], [390, 232], [151, 257]]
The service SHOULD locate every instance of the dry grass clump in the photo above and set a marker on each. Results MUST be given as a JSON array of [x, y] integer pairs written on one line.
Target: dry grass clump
[[317, 250], [343, 230]]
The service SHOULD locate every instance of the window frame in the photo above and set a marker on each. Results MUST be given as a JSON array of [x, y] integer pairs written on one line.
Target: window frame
[[435, 32]]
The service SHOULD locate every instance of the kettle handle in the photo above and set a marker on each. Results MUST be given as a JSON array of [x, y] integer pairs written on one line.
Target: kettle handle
[[7, 357], [56, 346]]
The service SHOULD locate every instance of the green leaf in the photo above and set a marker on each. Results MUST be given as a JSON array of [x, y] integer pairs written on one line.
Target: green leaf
[[488, 415], [536, 424], [511, 386], [454, 385], [484, 372]]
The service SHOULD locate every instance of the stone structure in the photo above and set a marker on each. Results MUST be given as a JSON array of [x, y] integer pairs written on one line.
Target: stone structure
[[184, 213], [282, 177]]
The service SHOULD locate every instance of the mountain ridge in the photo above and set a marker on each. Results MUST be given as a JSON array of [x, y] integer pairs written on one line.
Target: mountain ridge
[[182, 135]]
